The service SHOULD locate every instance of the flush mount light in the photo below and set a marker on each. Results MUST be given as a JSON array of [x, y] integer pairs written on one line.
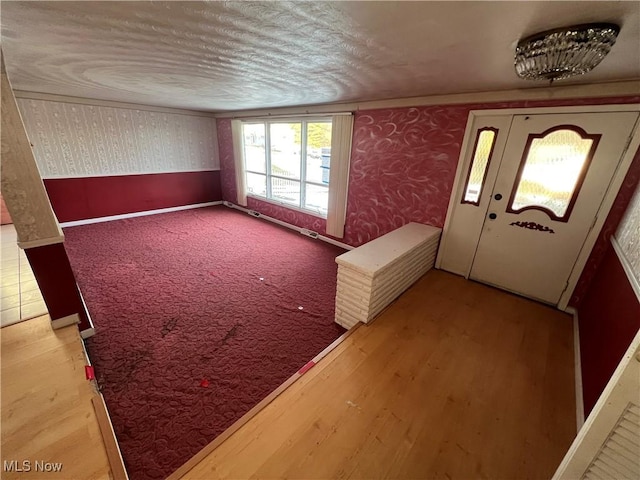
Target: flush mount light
[[564, 52]]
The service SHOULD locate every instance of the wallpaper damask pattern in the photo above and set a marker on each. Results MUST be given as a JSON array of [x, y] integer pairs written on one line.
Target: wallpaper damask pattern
[[628, 235], [73, 140]]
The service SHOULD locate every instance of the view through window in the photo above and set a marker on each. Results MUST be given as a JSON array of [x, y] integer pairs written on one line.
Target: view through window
[[289, 161]]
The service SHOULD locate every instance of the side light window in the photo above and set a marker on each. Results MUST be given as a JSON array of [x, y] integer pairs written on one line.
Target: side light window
[[482, 151]]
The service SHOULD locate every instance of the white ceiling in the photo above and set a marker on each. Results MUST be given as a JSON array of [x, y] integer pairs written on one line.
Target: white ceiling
[[220, 56]]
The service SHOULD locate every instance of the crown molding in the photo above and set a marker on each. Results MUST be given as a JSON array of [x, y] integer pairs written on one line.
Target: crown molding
[[107, 103], [596, 90]]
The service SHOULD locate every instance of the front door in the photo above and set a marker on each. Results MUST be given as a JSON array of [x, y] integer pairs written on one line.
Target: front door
[[554, 174]]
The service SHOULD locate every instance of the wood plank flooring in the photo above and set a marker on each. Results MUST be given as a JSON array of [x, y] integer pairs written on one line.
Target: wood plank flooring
[[455, 380], [20, 296], [47, 414]]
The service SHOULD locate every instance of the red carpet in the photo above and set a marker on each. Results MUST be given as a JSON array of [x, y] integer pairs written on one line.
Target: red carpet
[[198, 318]]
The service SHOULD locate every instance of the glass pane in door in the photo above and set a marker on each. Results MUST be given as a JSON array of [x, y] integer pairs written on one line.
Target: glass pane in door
[[552, 169]]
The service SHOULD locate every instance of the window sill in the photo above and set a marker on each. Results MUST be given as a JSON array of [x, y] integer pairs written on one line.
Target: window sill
[[287, 205]]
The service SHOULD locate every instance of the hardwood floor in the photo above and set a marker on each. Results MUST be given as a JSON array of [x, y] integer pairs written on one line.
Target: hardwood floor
[[455, 380], [47, 412], [20, 296]]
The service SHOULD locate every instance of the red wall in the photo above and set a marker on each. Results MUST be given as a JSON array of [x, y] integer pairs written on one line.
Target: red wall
[[603, 243], [608, 309], [609, 318], [93, 197], [57, 283]]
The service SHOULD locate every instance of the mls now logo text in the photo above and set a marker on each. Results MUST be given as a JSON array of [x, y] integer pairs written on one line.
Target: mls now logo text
[[28, 466]]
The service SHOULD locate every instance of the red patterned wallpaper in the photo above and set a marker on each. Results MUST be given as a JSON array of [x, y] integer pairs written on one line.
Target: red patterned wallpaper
[[403, 163]]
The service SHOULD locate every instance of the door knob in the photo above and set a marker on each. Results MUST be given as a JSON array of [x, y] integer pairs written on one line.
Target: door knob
[[493, 216], [498, 196]]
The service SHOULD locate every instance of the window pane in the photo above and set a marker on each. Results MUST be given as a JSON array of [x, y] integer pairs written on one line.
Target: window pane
[[318, 152], [478, 168], [257, 184], [285, 149], [254, 150], [287, 191], [317, 198], [551, 171]]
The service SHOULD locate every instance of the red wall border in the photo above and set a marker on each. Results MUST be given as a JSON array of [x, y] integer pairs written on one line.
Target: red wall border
[[82, 198]]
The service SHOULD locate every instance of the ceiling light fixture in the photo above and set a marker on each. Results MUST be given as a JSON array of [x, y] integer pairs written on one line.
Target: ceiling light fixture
[[564, 52]]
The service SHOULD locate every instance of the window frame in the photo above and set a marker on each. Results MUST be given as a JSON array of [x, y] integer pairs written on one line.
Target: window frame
[[302, 180]]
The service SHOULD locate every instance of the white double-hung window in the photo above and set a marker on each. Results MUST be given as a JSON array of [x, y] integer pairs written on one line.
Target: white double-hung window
[[299, 162]]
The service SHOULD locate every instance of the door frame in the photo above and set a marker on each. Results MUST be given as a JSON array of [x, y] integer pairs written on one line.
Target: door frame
[[612, 191]]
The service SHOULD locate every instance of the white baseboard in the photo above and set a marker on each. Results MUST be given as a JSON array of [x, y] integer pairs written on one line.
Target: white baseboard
[[88, 221], [303, 231], [577, 363], [65, 321], [89, 332]]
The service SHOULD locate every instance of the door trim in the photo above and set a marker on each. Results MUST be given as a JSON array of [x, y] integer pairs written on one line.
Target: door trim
[[607, 202]]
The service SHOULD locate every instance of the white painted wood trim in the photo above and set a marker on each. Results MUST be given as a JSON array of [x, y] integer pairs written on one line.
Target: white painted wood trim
[[600, 407], [303, 231], [625, 107], [65, 321], [453, 199], [603, 212], [129, 174], [89, 332], [613, 89], [607, 201], [577, 365], [41, 242], [107, 103], [88, 221], [635, 283]]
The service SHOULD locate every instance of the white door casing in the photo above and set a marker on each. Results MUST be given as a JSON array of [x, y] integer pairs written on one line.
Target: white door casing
[[463, 233], [526, 251], [465, 223]]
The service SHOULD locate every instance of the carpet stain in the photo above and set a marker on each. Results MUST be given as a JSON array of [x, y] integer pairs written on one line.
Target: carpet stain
[[168, 326], [230, 334]]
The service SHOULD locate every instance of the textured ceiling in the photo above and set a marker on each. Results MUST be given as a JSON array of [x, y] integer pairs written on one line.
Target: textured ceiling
[[239, 55]]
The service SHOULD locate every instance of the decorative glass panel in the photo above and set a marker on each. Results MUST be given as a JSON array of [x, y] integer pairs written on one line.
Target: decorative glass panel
[[552, 170], [286, 148], [284, 190], [254, 147], [478, 169]]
